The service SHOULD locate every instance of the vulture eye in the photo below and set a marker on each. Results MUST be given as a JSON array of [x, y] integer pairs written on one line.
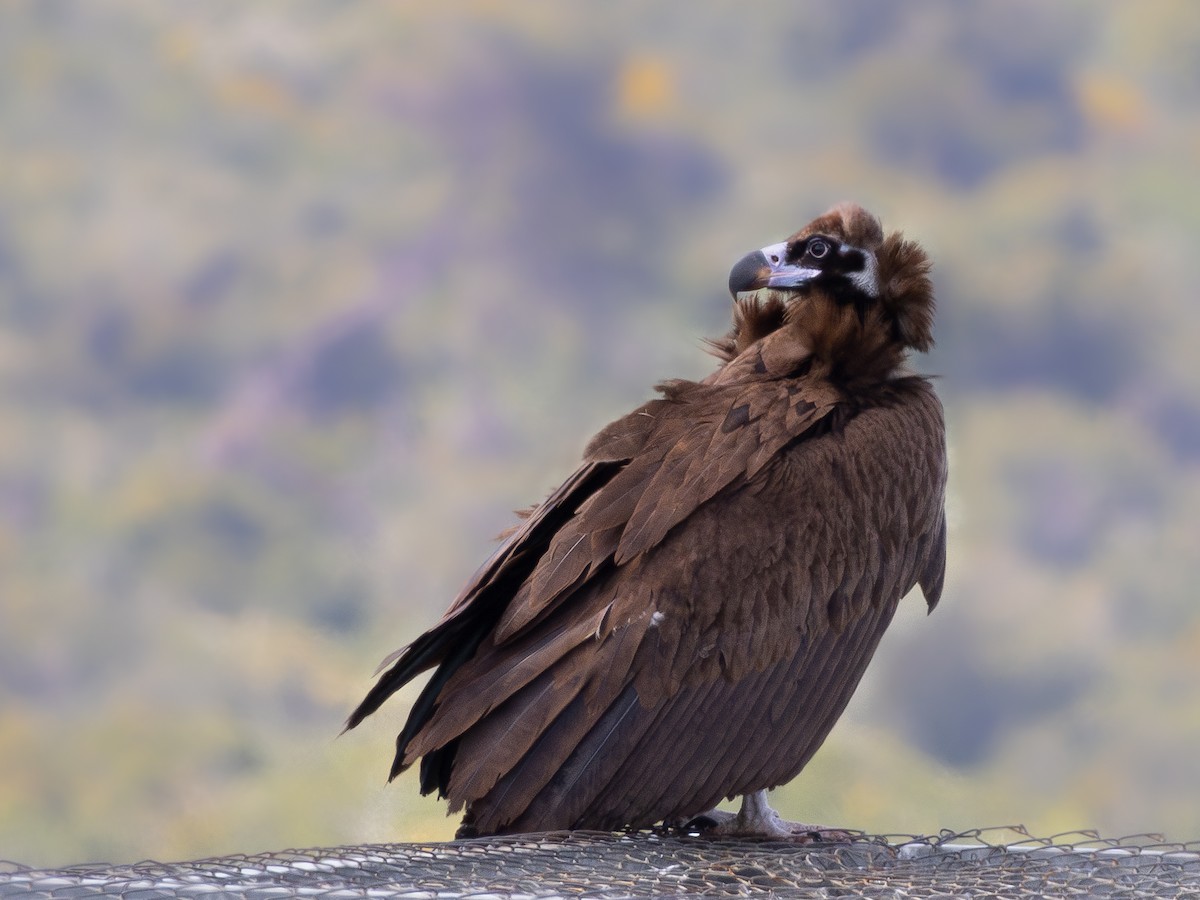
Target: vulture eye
[[818, 249]]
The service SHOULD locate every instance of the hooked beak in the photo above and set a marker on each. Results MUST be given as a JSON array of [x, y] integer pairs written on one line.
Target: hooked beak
[[766, 268]]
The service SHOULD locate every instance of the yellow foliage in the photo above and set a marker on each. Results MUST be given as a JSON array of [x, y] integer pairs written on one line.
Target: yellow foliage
[[178, 46], [1110, 102], [256, 93], [645, 88]]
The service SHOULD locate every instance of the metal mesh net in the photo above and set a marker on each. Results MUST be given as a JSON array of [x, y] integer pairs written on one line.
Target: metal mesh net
[[979, 863]]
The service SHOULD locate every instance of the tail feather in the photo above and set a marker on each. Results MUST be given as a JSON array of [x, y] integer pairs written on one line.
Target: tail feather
[[590, 766], [494, 677], [487, 751], [424, 653], [537, 742]]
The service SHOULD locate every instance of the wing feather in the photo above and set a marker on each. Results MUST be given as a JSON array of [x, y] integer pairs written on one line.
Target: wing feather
[[685, 449]]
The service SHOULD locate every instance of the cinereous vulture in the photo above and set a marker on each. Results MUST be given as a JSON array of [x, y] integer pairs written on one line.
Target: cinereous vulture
[[685, 618]]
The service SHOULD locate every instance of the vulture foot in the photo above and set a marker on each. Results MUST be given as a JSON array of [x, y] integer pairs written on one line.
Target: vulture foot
[[757, 819]]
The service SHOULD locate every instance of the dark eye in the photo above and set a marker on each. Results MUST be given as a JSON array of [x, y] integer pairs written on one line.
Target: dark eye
[[818, 249]]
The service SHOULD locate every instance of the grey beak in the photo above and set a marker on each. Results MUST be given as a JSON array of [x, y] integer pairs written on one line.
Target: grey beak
[[749, 273]]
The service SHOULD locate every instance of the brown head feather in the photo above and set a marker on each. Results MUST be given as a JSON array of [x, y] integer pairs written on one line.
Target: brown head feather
[[906, 291], [849, 222]]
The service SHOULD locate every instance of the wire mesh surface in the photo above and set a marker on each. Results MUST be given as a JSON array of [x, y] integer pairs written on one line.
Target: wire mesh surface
[[975, 864]]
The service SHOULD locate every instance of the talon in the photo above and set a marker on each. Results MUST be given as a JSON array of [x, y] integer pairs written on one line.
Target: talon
[[712, 820]]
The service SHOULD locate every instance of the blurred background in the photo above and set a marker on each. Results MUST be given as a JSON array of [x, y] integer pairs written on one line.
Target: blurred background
[[298, 301]]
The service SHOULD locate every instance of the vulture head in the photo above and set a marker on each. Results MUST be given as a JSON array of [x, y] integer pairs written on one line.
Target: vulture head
[[856, 300]]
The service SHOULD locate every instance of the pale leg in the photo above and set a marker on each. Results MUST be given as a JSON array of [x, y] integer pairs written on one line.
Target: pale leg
[[757, 819]]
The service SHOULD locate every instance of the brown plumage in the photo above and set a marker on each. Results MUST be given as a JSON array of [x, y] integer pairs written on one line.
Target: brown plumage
[[686, 617]]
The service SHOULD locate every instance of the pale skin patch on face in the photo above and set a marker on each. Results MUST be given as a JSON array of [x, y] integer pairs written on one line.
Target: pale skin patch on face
[[775, 253], [865, 279]]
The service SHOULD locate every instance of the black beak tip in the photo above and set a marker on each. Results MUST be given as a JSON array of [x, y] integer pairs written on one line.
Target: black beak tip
[[747, 273]]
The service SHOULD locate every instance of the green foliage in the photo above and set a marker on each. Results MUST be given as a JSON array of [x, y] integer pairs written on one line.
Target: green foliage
[[296, 302]]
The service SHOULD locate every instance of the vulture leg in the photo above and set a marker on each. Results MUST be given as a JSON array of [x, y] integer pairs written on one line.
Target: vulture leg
[[757, 819]]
